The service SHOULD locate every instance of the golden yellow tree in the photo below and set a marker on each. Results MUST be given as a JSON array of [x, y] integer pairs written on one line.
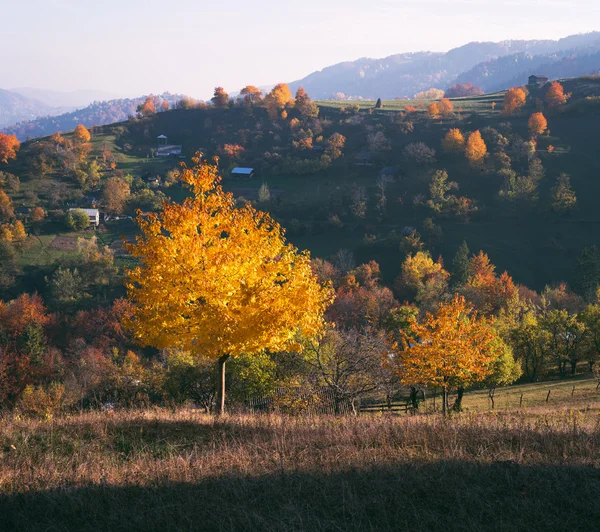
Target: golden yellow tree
[[454, 141], [220, 281], [537, 124], [81, 134], [451, 349], [475, 149], [277, 99], [514, 99]]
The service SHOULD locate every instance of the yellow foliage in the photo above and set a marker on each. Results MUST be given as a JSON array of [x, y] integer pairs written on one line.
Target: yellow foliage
[[475, 150], [454, 141], [452, 348], [218, 280]]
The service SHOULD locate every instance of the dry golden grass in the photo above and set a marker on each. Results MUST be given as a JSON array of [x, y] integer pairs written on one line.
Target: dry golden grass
[[164, 470]]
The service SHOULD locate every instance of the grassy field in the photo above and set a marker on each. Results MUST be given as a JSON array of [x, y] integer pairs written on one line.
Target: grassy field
[[161, 470]]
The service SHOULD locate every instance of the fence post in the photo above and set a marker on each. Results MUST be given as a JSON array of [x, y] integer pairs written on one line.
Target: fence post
[[573, 390], [521, 401], [548, 396]]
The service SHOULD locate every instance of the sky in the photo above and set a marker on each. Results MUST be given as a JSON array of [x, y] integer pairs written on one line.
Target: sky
[[136, 47]]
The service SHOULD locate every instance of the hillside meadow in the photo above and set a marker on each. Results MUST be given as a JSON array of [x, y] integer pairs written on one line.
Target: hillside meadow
[[181, 470]]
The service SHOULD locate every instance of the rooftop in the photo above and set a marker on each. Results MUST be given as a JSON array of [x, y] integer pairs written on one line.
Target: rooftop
[[240, 170]]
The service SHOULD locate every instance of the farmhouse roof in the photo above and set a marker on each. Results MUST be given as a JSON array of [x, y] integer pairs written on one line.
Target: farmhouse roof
[[89, 212], [161, 137], [242, 171]]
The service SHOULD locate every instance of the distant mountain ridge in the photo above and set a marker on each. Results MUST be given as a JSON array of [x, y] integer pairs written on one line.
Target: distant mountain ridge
[[15, 107], [493, 66], [95, 114], [70, 100]]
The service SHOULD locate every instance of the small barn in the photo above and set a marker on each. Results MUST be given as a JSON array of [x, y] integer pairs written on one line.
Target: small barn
[[165, 149], [537, 81], [93, 214], [242, 173]]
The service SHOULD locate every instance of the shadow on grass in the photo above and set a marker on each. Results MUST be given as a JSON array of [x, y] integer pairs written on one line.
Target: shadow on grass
[[418, 496]]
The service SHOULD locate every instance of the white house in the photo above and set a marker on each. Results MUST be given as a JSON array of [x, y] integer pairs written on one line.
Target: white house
[[93, 214]]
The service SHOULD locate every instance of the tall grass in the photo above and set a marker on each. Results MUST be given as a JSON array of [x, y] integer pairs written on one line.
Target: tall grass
[[163, 470]]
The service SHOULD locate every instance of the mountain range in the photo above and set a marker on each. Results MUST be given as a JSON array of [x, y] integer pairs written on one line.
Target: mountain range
[[492, 66]]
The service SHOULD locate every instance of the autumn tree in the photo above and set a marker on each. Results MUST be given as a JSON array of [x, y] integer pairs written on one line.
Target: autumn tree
[[9, 146], [431, 94], [7, 211], [334, 145], [423, 278], [455, 348], [304, 104], [537, 124], [461, 90], [251, 96], [555, 95], [219, 281], [445, 107], [81, 134], [514, 99], [116, 193], [564, 198], [433, 110], [220, 98], [454, 141], [475, 149], [278, 99], [148, 108]]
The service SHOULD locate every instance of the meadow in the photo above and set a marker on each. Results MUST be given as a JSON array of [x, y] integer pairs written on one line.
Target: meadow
[[534, 469]]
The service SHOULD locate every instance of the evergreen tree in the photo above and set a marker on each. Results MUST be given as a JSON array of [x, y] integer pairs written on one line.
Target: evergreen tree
[[460, 265], [378, 105], [587, 274]]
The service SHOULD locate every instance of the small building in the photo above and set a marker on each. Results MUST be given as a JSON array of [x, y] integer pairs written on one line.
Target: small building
[[165, 149], [93, 214], [537, 81], [243, 173], [23, 212]]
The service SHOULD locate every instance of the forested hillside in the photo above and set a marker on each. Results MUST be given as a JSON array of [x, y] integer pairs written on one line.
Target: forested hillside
[[492, 66]]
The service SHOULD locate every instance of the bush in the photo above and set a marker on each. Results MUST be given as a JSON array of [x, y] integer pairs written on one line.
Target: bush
[[77, 220]]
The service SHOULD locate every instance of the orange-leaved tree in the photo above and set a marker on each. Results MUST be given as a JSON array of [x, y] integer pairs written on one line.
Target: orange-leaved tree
[[475, 149], [221, 98], [220, 281], [433, 110], [514, 99], [537, 124], [451, 349], [445, 106], [9, 146], [555, 95], [454, 141], [81, 134]]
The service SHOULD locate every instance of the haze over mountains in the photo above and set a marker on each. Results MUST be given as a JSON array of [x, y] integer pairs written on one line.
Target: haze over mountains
[[491, 66]]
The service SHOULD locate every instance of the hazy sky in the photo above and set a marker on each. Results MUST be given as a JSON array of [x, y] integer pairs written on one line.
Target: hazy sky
[[134, 47]]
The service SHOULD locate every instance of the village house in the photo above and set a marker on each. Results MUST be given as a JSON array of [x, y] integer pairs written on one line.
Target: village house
[[93, 214], [537, 81]]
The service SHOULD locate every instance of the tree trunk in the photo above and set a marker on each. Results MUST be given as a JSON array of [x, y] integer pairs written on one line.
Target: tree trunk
[[414, 397], [220, 410], [445, 401], [457, 406], [573, 367], [491, 394]]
